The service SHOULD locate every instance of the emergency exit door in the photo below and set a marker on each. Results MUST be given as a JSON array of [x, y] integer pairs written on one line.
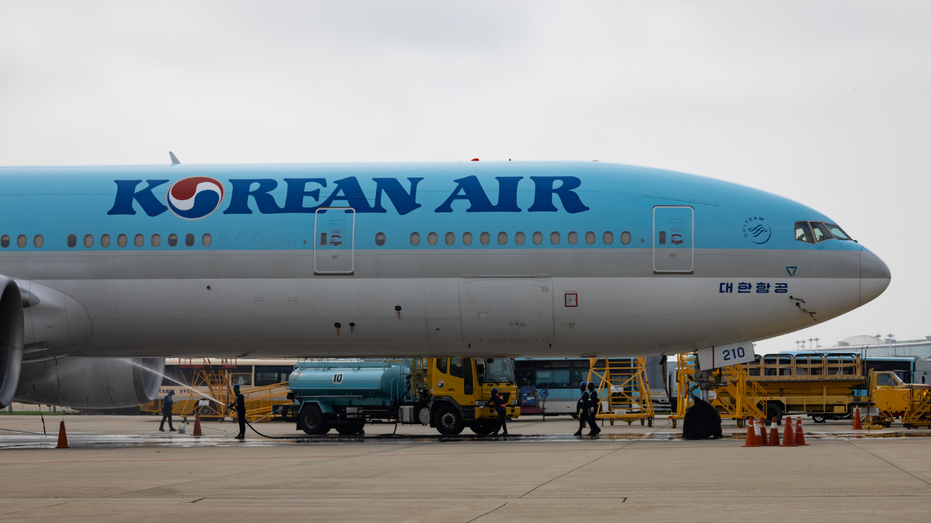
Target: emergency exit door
[[673, 238], [334, 228]]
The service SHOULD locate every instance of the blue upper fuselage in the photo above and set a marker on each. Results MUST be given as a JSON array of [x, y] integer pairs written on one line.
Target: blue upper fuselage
[[272, 205]]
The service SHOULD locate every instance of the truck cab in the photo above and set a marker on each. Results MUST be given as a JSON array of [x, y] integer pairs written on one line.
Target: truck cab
[[459, 390]]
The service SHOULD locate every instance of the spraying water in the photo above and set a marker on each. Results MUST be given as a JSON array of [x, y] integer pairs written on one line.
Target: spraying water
[[176, 382]]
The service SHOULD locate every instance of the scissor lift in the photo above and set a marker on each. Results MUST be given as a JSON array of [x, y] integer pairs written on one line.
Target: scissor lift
[[622, 382]]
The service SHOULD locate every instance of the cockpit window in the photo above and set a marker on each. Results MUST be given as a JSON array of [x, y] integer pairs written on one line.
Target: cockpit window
[[803, 232], [837, 232], [820, 231]]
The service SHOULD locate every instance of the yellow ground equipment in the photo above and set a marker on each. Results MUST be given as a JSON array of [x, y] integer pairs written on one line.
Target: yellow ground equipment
[[737, 396], [622, 386], [216, 382], [890, 399]]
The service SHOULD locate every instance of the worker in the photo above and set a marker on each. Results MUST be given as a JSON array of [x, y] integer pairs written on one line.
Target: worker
[[593, 405], [497, 402], [167, 405], [581, 407], [240, 404]]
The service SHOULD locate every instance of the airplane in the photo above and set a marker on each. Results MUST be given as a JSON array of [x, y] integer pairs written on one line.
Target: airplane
[[108, 270]]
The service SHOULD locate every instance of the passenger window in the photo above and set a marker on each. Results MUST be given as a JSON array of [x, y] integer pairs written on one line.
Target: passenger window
[[323, 239], [590, 238], [139, 240], [207, 240], [467, 238], [625, 238], [88, 240], [455, 367], [837, 232], [450, 238], [105, 240], [431, 238], [803, 232], [38, 241], [883, 379], [608, 238], [72, 240], [380, 239], [554, 238], [502, 238], [441, 365], [662, 237], [415, 238], [121, 240], [189, 240], [537, 238], [156, 240], [172, 240], [484, 238], [573, 238], [519, 238], [21, 241], [820, 231], [5, 241]]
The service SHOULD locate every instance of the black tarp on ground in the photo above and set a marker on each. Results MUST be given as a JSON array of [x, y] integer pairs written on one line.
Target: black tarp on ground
[[701, 421]]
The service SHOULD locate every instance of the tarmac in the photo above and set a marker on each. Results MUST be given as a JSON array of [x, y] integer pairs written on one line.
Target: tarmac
[[120, 468]]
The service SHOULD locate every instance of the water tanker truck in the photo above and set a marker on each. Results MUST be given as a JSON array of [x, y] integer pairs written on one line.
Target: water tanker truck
[[446, 393]]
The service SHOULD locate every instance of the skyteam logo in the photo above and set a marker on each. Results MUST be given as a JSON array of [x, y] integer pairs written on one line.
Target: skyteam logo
[[194, 198], [757, 230]]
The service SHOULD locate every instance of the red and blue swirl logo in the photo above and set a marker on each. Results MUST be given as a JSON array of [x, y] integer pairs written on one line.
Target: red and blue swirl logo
[[194, 198]]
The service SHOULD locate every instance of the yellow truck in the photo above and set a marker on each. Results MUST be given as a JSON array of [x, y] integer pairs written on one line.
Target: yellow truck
[[890, 398]]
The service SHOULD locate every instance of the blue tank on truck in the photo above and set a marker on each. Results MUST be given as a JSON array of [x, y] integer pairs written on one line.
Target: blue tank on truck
[[345, 395]]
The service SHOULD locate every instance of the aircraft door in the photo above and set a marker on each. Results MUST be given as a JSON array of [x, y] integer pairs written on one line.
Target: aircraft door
[[334, 228], [673, 238]]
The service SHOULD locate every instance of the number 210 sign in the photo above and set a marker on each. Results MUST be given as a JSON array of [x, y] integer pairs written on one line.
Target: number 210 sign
[[725, 355]]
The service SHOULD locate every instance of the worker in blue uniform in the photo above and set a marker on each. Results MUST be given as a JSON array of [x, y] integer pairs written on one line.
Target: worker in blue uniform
[[167, 405], [498, 403], [581, 407], [593, 405], [240, 405]]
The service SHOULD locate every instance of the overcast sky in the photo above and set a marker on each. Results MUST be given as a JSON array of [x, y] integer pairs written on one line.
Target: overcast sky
[[826, 103]]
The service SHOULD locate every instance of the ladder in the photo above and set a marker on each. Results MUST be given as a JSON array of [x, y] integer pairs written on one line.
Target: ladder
[[919, 408], [622, 383]]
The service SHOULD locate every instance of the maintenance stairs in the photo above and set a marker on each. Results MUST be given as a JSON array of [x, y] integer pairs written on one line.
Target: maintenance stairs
[[622, 382], [919, 408], [737, 395]]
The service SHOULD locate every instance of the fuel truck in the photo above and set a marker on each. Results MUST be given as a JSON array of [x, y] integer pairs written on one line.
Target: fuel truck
[[446, 393]]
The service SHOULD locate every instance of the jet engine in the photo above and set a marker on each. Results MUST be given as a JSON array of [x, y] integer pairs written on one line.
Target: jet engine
[[11, 339], [95, 383]]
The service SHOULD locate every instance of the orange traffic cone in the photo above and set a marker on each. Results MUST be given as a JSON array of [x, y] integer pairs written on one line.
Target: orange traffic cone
[[62, 437], [753, 435], [857, 425], [763, 440], [197, 431], [788, 437], [773, 434], [799, 435]]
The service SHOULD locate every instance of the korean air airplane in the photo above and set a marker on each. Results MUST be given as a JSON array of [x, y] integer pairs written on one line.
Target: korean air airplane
[[107, 270]]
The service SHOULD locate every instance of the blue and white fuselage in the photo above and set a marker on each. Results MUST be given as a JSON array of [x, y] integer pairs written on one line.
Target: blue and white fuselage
[[425, 259]]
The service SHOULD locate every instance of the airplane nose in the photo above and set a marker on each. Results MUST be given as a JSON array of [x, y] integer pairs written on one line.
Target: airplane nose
[[874, 276]]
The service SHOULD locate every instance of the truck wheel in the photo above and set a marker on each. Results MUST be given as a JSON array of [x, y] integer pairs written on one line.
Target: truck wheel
[[349, 429], [311, 420], [448, 421], [774, 410], [483, 427], [817, 418]]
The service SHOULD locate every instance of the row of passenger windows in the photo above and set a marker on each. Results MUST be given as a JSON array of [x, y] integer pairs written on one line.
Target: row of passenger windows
[[139, 240], [519, 238], [122, 240], [814, 232]]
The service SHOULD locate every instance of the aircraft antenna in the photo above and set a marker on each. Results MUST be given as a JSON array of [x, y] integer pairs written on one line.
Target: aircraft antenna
[[174, 159]]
